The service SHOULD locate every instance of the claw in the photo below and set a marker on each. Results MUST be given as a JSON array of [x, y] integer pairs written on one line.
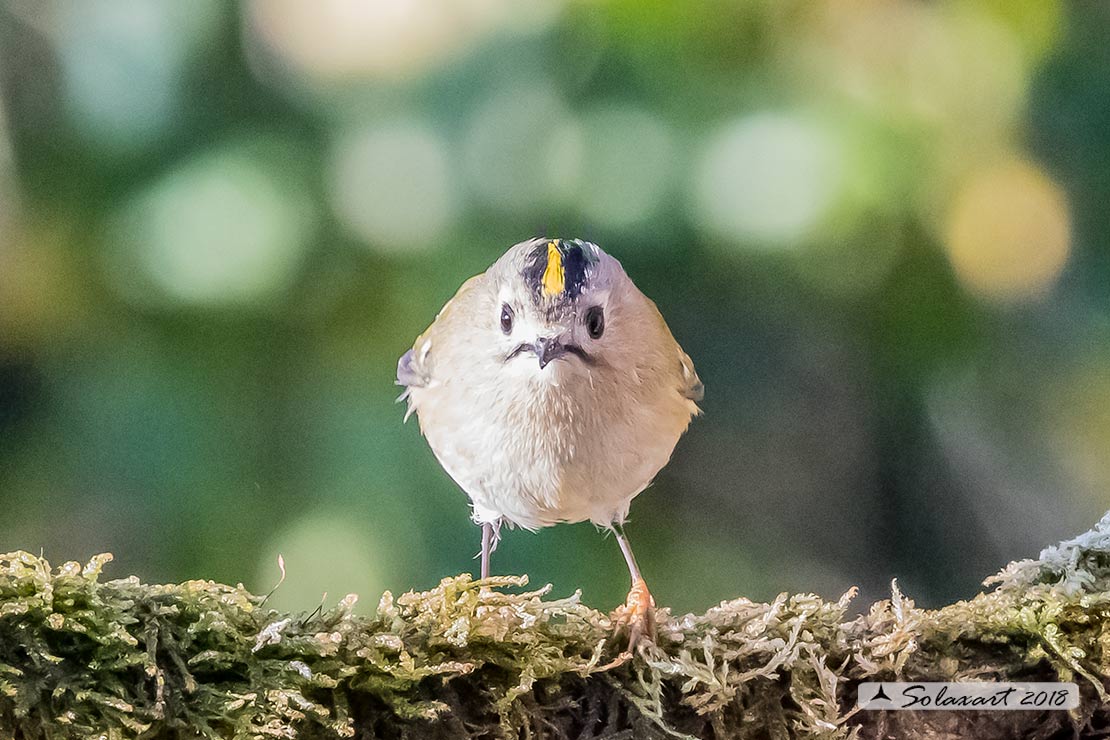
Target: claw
[[638, 612]]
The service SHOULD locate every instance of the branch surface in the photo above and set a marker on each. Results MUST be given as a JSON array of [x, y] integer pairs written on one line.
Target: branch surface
[[82, 657]]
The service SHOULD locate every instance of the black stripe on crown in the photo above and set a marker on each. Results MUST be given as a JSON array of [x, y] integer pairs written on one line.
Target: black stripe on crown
[[577, 263]]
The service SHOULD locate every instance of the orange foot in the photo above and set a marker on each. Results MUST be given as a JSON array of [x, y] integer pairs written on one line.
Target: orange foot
[[638, 612]]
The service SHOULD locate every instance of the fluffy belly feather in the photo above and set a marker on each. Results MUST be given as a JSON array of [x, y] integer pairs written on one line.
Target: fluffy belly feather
[[549, 454]]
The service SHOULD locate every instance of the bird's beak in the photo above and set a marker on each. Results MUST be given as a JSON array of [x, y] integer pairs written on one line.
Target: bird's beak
[[548, 349]]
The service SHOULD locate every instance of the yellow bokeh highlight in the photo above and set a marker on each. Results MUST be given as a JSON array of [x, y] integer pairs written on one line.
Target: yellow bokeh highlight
[[334, 40], [1008, 233]]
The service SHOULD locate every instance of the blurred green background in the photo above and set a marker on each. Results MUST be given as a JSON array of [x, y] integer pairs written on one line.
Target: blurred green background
[[881, 229]]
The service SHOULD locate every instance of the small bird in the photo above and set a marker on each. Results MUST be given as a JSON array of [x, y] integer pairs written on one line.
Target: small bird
[[551, 390]]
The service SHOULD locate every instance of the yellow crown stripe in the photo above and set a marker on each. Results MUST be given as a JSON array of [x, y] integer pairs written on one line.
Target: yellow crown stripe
[[554, 281]]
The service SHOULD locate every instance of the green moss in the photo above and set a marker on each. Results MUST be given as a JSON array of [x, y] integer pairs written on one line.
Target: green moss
[[81, 657]]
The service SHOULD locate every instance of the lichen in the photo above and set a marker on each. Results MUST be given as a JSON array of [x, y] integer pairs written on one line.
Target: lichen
[[82, 657]]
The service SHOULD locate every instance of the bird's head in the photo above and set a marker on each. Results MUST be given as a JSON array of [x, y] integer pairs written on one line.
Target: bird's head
[[556, 299]]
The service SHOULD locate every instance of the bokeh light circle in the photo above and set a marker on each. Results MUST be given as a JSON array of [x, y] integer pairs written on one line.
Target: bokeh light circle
[[225, 228], [945, 65], [392, 186], [342, 38], [1007, 232], [324, 551], [627, 159], [766, 180], [331, 40], [123, 64], [523, 149]]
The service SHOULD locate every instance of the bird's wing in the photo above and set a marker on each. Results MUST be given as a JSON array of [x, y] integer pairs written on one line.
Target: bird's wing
[[411, 371], [415, 369], [692, 387]]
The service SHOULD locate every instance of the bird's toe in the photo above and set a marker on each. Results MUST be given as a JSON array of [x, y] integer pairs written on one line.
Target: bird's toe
[[638, 614]]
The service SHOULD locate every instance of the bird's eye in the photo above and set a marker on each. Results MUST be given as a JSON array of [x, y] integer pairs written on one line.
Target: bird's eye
[[506, 319], [595, 322]]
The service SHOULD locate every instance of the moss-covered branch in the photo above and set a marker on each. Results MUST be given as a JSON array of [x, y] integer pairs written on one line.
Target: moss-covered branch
[[81, 657]]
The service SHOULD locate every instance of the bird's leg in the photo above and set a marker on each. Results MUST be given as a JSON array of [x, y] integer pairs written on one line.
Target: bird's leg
[[487, 547], [639, 608]]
